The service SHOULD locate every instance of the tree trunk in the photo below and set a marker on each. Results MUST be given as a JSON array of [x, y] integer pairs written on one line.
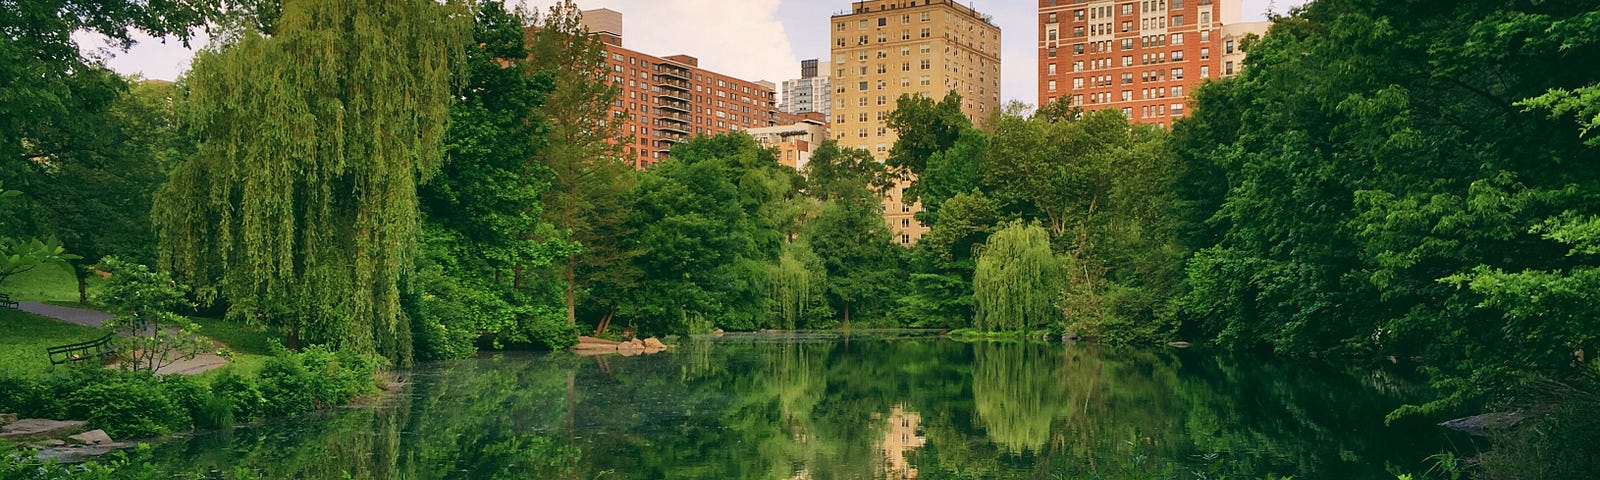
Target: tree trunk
[[572, 290], [83, 286], [847, 315], [293, 339]]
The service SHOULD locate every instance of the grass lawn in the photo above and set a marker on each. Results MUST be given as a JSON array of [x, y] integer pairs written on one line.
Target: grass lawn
[[249, 345], [22, 347], [50, 284]]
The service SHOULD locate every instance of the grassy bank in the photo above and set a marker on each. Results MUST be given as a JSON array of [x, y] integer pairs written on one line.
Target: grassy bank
[[968, 334]]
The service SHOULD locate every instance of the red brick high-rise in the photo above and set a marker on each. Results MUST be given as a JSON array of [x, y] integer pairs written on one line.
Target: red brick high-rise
[[1142, 57]]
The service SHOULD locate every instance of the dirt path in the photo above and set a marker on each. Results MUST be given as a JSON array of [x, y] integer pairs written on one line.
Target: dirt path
[[97, 319]]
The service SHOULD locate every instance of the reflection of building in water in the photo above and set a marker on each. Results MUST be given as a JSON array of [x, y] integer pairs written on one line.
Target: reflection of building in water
[[902, 436]]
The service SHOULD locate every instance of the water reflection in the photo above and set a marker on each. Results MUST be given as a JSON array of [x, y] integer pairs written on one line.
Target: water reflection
[[818, 407]]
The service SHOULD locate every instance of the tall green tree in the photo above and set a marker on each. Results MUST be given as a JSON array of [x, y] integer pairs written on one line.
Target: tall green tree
[[585, 156], [300, 206], [704, 223], [484, 218]]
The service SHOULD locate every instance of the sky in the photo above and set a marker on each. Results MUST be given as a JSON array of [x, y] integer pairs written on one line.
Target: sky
[[749, 39]]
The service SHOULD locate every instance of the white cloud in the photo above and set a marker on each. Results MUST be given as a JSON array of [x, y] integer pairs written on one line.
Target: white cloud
[[743, 39]]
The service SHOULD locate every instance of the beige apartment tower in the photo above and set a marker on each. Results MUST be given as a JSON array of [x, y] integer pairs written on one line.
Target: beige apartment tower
[[887, 48]]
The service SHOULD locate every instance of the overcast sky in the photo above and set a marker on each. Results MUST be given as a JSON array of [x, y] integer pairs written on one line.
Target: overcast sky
[[750, 39]]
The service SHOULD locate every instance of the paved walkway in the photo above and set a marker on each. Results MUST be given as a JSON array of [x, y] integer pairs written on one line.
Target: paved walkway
[[87, 318], [97, 319]]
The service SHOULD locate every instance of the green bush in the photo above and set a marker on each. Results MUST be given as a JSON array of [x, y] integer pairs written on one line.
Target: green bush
[[285, 387], [240, 394], [215, 412], [130, 406], [18, 394], [188, 393]]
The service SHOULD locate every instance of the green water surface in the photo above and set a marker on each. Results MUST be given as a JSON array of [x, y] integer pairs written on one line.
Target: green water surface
[[827, 406]]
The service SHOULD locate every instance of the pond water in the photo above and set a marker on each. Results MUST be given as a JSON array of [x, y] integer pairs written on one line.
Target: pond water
[[824, 406]]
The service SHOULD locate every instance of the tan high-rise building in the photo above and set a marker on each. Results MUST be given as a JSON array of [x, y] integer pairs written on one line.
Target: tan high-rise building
[[1142, 57], [883, 49]]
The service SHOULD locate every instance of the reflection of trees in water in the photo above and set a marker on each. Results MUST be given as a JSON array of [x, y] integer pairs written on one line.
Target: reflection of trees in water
[[774, 410], [1015, 394], [489, 420]]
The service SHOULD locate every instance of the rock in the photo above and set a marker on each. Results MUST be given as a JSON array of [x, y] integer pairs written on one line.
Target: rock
[[36, 428], [637, 343], [92, 437], [717, 332], [1485, 424], [7, 418], [596, 341], [653, 343], [55, 442], [1178, 344]]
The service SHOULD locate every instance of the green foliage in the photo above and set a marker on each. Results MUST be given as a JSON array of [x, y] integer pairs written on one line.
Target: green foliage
[[708, 222], [589, 159], [484, 219], [299, 206], [316, 378], [130, 406], [1402, 180], [240, 393], [1018, 280]]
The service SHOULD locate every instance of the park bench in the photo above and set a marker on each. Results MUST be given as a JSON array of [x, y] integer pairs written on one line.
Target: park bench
[[93, 349], [6, 301]]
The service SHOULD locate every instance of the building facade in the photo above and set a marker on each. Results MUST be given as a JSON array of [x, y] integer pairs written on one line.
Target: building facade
[[669, 99], [809, 93], [1142, 57], [794, 142], [883, 49]]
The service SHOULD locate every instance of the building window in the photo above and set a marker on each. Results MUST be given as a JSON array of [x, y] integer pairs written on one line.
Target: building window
[[1227, 47], [1227, 68], [1205, 54], [1205, 71], [1177, 74], [1052, 86], [925, 33]]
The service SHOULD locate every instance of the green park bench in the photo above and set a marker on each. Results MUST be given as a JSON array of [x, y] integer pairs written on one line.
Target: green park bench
[[6, 301], [94, 349]]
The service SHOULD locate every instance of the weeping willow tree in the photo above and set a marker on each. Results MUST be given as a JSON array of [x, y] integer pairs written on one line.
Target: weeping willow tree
[[1018, 280], [299, 207], [789, 284]]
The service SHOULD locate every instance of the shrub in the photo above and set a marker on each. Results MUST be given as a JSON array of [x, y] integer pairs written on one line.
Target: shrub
[[131, 406], [285, 386], [239, 393], [188, 393], [214, 412], [18, 394]]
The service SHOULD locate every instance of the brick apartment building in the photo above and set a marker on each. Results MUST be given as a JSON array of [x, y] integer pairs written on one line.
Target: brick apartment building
[[669, 99], [1142, 57]]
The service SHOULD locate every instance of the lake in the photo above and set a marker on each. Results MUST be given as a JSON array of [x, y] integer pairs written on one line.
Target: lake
[[828, 406]]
